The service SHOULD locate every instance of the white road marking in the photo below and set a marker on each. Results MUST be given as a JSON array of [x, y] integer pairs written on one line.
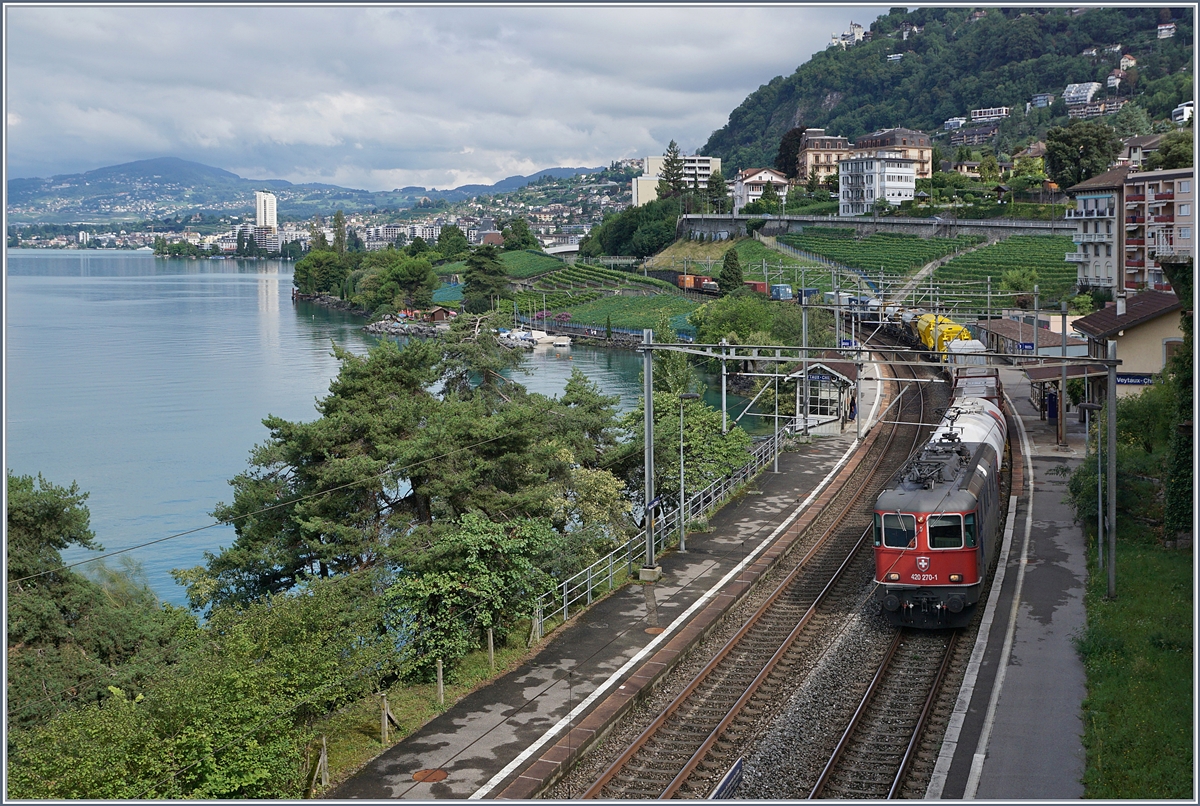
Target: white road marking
[[937, 781], [985, 735]]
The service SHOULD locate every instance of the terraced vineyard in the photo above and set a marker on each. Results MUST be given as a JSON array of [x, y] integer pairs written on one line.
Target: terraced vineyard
[[887, 252], [1042, 253], [582, 276]]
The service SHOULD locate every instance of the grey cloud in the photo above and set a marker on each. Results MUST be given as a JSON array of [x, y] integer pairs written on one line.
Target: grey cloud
[[383, 97]]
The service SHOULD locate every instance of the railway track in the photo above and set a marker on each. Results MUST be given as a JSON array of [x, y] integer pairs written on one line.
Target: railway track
[[873, 756], [690, 744]]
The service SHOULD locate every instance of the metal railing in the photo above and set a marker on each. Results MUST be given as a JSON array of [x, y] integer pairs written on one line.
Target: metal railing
[[581, 589]]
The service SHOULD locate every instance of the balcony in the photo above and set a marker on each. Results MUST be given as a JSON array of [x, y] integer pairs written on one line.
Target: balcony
[[1163, 219], [1165, 196], [1091, 237], [1107, 212], [1075, 257], [1135, 197], [1135, 219], [1135, 242], [1135, 264]]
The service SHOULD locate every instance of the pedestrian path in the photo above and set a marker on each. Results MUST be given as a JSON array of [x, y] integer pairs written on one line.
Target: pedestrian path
[[1018, 731], [483, 742]]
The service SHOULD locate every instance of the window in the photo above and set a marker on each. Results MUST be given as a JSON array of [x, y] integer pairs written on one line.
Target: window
[[1185, 232], [1170, 348], [1185, 186], [1185, 209], [969, 528], [945, 531], [899, 531], [1107, 253]]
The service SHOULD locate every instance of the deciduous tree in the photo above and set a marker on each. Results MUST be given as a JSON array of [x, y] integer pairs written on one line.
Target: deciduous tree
[[1079, 151]]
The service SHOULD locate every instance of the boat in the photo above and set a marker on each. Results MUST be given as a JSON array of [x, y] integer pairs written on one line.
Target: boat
[[542, 337], [562, 341]]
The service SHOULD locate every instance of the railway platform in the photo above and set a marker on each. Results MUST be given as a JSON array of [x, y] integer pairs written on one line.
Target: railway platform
[[1017, 729], [510, 738]]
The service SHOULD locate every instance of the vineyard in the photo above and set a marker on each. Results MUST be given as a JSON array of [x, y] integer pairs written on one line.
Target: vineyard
[[581, 276], [1041, 253], [891, 253]]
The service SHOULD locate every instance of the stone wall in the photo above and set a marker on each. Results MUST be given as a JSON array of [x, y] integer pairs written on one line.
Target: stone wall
[[994, 229]]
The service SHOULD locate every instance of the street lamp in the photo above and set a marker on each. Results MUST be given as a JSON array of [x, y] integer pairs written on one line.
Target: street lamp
[[682, 499], [1088, 408]]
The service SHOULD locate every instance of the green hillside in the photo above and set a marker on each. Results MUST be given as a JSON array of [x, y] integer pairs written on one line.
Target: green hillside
[[955, 64]]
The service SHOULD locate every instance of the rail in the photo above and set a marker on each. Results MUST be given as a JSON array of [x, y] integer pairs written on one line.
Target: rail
[[581, 589]]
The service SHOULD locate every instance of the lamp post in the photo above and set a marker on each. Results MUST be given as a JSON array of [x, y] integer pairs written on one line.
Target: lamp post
[[682, 498], [1088, 408]]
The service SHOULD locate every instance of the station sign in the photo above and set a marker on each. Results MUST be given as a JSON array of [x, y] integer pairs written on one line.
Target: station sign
[[849, 343], [1025, 345], [1129, 379]]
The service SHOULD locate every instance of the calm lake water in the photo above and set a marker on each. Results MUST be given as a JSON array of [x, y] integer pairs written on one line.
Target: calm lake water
[[146, 380]]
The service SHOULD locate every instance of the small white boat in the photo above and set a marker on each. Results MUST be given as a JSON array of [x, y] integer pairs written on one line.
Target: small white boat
[[562, 341], [541, 337]]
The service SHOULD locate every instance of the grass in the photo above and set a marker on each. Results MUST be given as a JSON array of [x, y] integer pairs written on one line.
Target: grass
[[630, 312], [353, 734], [520, 264], [1138, 654], [751, 253]]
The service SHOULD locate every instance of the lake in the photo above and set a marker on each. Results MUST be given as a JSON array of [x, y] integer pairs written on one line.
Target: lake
[[145, 381]]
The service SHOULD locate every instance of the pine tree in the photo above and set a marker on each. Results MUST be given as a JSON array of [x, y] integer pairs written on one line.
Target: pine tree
[[717, 191], [670, 182], [730, 278]]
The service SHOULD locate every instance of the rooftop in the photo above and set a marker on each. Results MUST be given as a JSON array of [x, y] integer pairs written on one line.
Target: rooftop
[[1139, 309]]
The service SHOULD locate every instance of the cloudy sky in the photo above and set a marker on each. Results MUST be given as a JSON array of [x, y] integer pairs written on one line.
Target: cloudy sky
[[384, 97]]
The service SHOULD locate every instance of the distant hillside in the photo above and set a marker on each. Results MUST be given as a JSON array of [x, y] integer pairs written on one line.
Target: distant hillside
[[168, 186], [959, 61]]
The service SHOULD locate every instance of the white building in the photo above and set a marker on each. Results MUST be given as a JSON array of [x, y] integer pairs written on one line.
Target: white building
[[865, 178], [264, 204], [954, 123], [750, 184], [1080, 93], [696, 170], [989, 114], [1181, 114]]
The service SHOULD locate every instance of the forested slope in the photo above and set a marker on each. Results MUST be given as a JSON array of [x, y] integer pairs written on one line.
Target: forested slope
[[955, 64]]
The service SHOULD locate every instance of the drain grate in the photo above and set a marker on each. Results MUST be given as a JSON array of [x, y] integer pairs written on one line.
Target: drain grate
[[429, 776]]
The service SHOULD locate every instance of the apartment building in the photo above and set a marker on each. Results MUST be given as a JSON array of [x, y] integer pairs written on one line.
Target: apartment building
[[974, 136], [990, 114], [820, 153], [910, 144], [865, 178], [1159, 219], [1099, 232], [264, 209], [1135, 150], [1080, 93], [749, 185], [696, 170]]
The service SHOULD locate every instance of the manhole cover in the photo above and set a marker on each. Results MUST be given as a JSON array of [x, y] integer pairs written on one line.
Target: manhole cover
[[429, 776], [654, 630]]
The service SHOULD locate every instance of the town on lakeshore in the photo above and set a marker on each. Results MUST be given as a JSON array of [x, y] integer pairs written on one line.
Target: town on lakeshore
[[898, 501]]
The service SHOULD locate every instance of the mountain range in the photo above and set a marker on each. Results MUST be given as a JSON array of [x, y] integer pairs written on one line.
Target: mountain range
[[155, 188]]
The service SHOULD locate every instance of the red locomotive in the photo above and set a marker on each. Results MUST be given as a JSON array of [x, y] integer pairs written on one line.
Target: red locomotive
[[937, 522]]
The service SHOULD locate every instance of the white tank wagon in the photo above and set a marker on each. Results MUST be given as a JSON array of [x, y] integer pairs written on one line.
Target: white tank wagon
[[975, 420]]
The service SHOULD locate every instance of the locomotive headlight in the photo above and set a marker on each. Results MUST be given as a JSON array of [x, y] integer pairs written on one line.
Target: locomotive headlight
[[956, 577], [893, 577]]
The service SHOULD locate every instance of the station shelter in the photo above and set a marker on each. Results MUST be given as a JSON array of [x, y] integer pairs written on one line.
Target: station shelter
[[831, 384]]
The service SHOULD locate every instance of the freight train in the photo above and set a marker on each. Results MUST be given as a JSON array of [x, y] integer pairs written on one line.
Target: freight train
[[937, 522]]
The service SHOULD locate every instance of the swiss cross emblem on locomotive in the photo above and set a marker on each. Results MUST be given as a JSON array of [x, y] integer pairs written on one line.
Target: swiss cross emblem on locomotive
[[922, 564]]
